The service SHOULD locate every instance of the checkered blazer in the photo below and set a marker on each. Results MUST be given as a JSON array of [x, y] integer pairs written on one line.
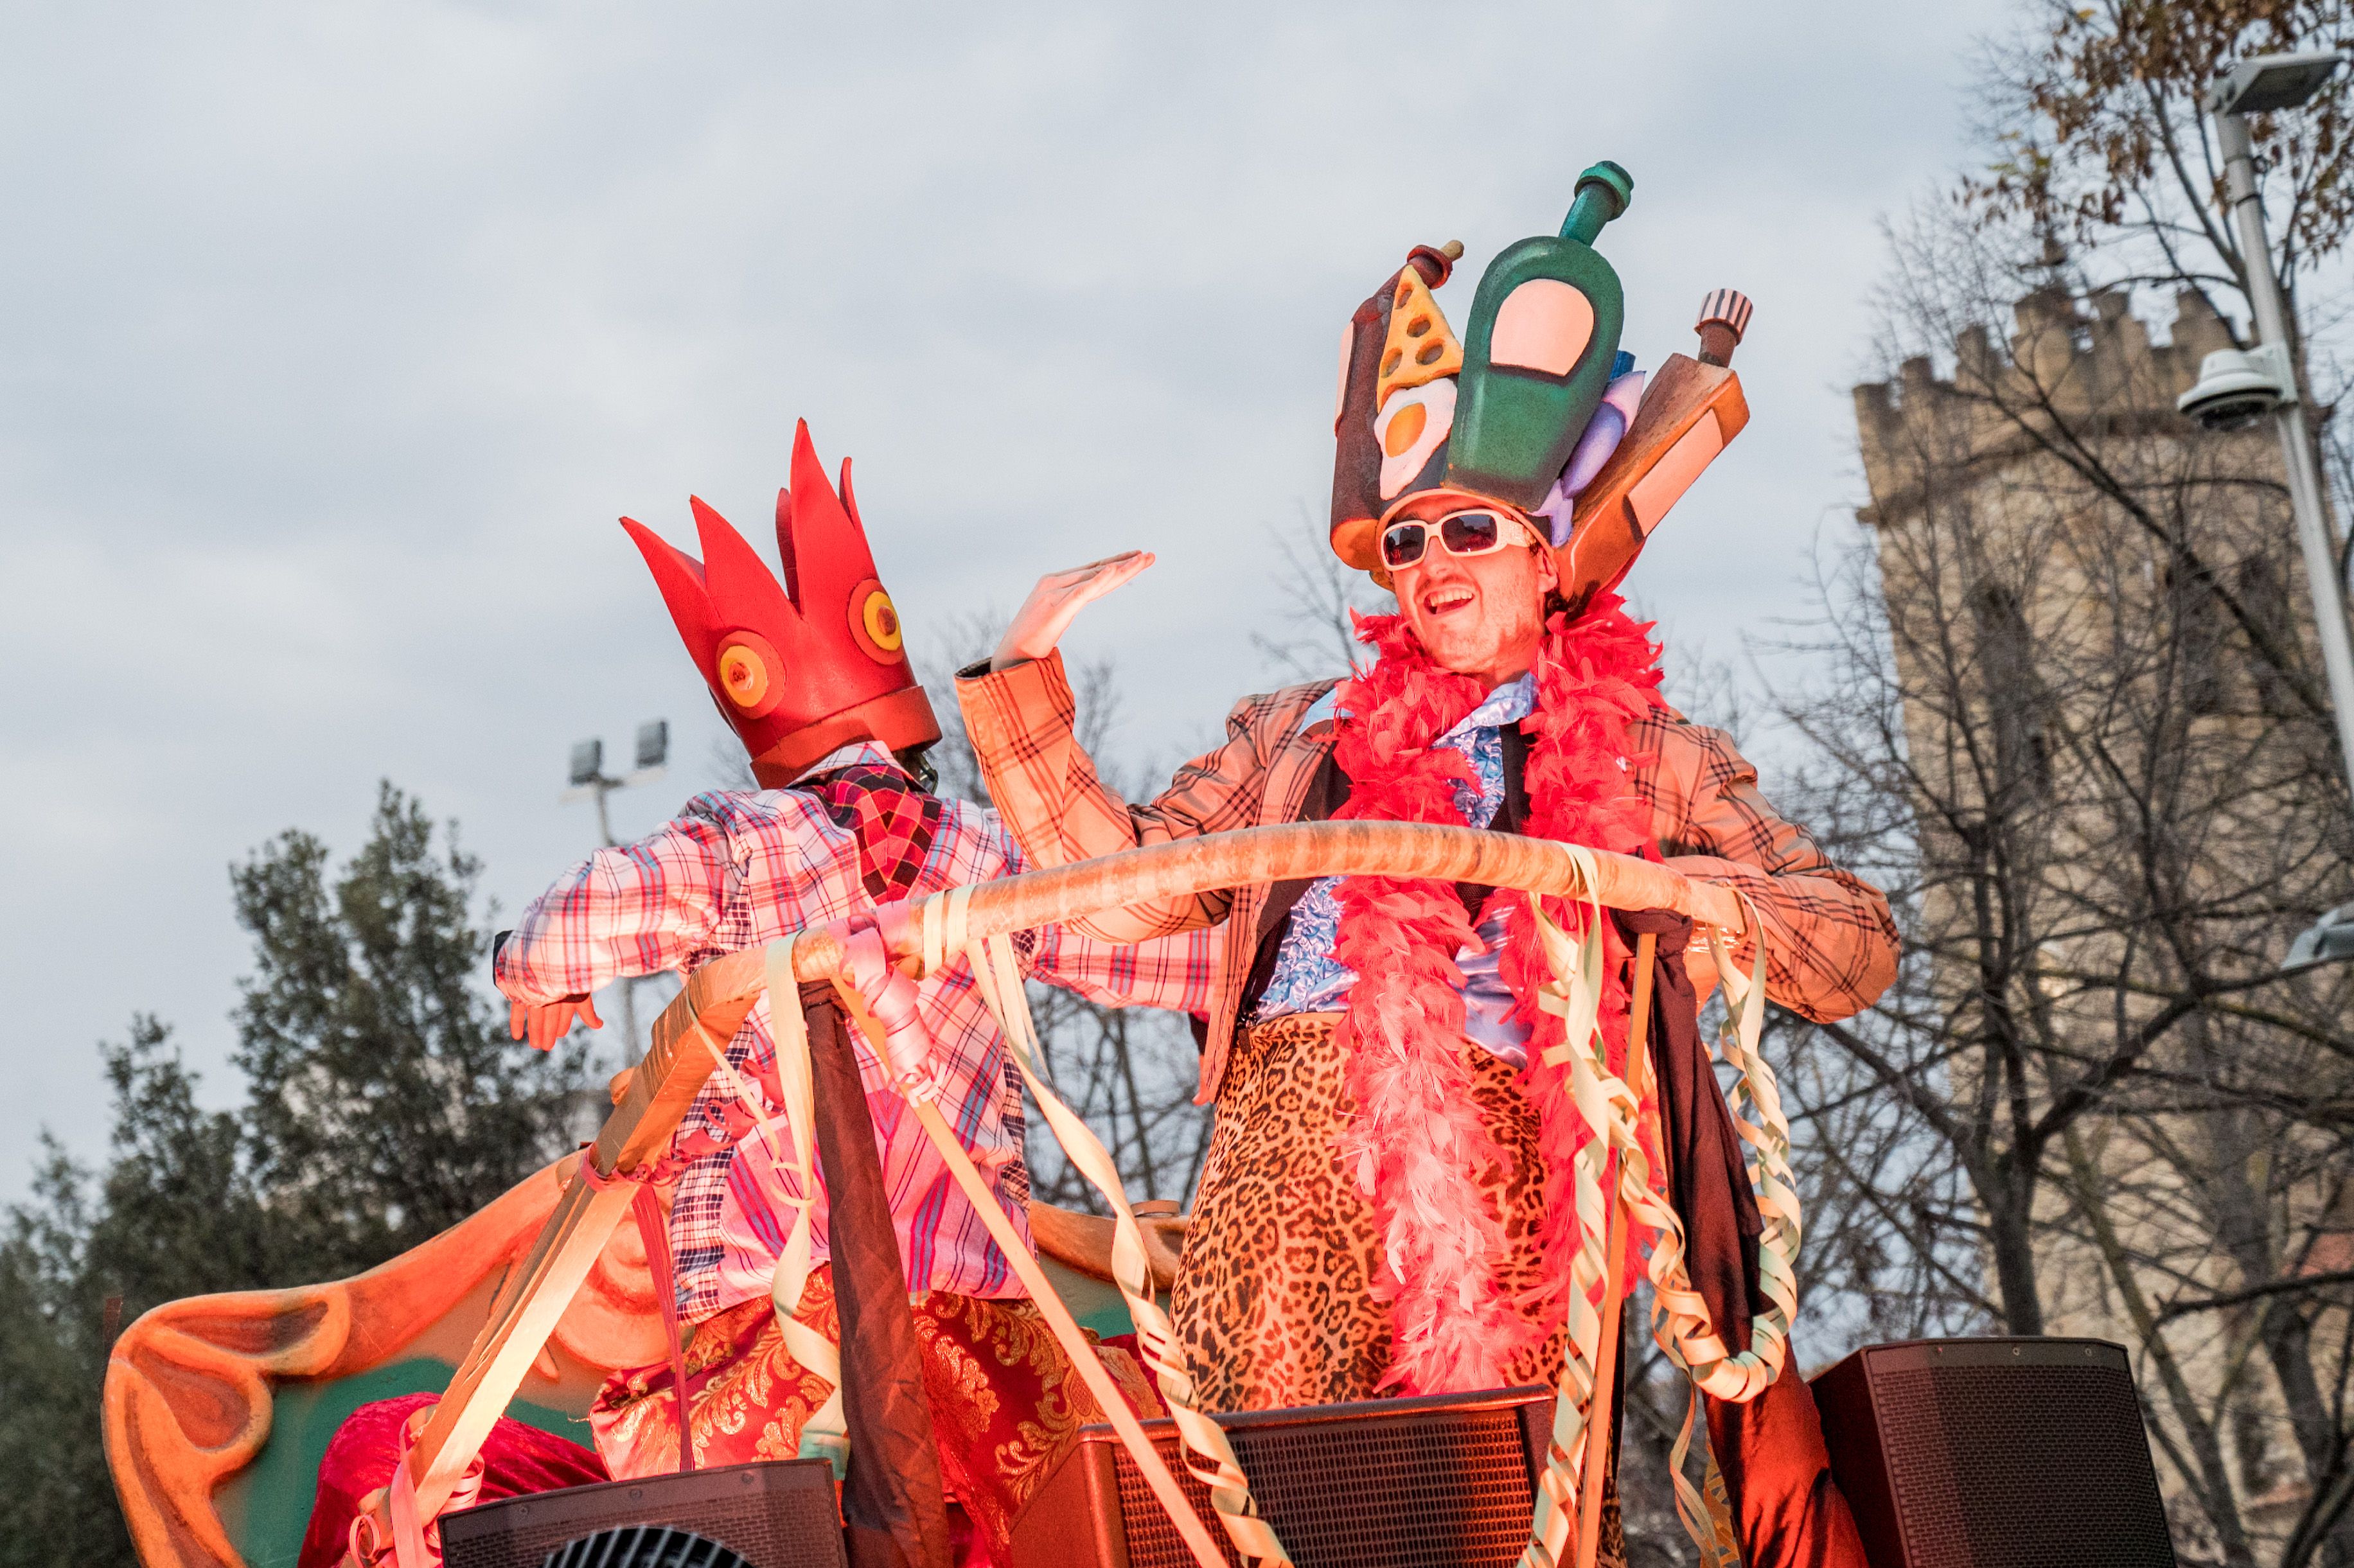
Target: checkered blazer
[[1831, 946]]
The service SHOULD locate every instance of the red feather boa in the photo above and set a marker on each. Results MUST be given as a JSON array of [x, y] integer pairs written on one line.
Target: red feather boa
[[1417, 1143]]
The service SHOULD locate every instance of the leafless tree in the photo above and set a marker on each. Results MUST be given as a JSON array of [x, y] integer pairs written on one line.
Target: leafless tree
[[2094, 116], [2071, 715]]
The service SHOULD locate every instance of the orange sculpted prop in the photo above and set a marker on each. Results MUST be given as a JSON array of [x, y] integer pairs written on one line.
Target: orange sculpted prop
[[189, 1386]]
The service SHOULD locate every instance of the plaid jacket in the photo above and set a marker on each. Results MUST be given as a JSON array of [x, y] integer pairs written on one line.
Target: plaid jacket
[[737, 870], [1831, 946]]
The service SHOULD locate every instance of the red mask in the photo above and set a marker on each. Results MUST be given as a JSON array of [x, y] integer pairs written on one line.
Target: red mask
[[802, 669]]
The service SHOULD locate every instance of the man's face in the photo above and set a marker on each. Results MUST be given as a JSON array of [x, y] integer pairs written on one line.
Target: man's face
[[1481, 616]]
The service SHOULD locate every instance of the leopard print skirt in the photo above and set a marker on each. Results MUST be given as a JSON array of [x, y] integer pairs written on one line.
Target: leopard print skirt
[[1273, 1301]]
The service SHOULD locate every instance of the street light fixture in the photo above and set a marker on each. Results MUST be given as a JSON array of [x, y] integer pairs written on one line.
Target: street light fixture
[[654, 746], [2328, 940], [2271, 82], [587, 778], [2236, 386]]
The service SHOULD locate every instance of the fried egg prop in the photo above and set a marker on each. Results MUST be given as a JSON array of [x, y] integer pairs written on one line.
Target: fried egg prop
[[1412, 427]]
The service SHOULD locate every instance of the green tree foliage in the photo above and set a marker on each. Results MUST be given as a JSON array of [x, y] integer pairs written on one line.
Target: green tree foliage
[[385, 1103]]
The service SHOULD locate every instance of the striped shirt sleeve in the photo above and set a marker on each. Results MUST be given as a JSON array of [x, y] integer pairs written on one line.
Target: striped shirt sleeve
[[647, 906]]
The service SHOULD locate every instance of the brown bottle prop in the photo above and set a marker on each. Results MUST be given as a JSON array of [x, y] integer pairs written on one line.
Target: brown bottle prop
[[1691, 411], [1357, 453]]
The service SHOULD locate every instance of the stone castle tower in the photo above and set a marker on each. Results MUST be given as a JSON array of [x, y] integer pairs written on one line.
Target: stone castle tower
[[2103, 370], [2121, 795]]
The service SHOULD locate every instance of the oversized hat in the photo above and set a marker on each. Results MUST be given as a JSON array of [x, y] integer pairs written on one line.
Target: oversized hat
[[1531, 408], [805, 668]]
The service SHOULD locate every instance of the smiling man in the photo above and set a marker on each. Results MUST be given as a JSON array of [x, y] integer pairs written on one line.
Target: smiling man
[[1383, 1208]]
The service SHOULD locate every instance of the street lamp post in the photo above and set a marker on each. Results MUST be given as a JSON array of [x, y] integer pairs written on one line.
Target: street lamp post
[[588, 779], [2262, 85]]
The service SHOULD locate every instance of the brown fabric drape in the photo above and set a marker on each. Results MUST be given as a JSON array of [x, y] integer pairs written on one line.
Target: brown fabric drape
[[893, 1505], [1786, 1509], [1707, 1179]]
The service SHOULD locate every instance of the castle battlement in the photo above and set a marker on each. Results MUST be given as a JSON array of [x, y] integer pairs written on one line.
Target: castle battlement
[[2059, 366]]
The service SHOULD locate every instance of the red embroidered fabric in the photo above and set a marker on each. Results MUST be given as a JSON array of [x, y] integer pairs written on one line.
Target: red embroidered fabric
[[1006, 1406]]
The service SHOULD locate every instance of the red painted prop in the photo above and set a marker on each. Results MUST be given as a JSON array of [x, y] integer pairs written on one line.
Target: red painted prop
[[808, 667]]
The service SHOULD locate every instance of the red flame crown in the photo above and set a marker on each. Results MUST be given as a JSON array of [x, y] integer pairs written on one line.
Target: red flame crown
[[801, 669]]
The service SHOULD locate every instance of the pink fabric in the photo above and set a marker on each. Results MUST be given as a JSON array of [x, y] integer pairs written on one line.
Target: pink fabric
[[365, 1450]]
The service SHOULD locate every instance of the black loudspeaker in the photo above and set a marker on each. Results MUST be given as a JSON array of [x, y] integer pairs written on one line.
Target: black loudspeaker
[[644, 1546], [2028, 1453], [777, 1514], [1444, 1482]]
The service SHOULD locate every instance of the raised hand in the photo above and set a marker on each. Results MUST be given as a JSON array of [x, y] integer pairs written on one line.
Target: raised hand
[[1046, 614], [548, 1022]]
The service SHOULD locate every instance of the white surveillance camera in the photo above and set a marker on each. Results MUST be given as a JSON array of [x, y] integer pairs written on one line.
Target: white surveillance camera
[[2237, 387]]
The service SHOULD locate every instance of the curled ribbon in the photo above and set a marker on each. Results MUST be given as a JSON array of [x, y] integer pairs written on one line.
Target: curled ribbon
[[1681, 1322], [1211, 1458]]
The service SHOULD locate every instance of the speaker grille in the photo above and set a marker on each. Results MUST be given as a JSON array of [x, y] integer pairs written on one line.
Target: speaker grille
[[644, 1546], [2029, 1453], [779, 1514], [1401, 1488], [1992, 1465]]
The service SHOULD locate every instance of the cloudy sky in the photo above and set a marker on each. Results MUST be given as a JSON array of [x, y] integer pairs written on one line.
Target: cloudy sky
[[333, 339]]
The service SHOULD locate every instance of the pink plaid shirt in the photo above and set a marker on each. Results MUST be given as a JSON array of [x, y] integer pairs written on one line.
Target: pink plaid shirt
[[737, 870]]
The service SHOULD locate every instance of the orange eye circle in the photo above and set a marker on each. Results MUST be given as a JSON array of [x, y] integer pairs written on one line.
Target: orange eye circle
[[875, 623], [882, 621], [743, 677]]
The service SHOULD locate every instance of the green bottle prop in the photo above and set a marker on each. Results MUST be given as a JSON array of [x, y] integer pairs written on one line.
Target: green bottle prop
[[1528, 391]]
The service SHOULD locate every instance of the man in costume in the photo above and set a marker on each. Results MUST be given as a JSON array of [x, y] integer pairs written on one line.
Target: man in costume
[[1384, 1207], [814, 679]]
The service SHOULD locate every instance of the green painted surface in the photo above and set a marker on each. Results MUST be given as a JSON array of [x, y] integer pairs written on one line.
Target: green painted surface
[[1109, 1323], [267, 1506], [1515, 428], [1604, 191], [1095, 1305]]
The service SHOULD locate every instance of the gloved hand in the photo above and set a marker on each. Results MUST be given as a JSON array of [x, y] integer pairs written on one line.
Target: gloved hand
[[891, 997], [544, 1023]]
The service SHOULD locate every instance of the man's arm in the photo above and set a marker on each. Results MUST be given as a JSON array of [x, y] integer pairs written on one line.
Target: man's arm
[[1021, 720], [1172, 973], [643, 907], [1830, 941]]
